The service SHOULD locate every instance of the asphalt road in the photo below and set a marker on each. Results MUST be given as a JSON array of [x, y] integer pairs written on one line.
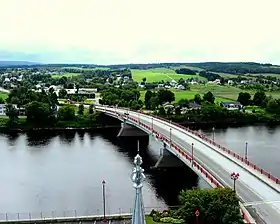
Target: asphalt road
[[249, 188]]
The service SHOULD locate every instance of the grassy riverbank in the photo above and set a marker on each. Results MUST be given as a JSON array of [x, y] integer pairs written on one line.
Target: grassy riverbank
[[94, 121]]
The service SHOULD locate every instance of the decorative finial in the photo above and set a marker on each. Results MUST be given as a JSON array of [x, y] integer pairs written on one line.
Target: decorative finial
[[137, 177]]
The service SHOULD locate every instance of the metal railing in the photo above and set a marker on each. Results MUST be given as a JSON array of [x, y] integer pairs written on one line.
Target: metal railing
[[72, 214]]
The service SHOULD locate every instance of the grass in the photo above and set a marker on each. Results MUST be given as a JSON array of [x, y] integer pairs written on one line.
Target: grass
[[188, 95], [66, 75], [3, 95], [160, 74], [149, 220], [222, 93]]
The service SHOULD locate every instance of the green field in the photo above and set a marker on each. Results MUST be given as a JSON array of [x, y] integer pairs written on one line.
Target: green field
[[160, 74], [65, 74], [179, 94], [3, 95], [221, 93]]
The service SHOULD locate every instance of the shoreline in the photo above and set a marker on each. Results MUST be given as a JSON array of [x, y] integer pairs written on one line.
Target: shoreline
[[56, 129]]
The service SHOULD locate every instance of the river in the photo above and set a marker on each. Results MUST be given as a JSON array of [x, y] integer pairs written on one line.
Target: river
[[43, 172]]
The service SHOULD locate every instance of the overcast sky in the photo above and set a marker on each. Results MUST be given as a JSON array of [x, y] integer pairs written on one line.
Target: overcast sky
[[140, 31]]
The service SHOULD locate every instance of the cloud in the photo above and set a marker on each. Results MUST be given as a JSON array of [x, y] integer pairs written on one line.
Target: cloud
[[110, 31]]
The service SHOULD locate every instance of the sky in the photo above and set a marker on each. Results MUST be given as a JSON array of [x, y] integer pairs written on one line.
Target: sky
[[139, 31]]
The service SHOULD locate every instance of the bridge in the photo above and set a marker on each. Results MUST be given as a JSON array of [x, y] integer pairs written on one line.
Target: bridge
[[256, 188]]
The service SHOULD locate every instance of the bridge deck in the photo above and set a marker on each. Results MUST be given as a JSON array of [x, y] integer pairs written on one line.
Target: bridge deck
[[249, 187]]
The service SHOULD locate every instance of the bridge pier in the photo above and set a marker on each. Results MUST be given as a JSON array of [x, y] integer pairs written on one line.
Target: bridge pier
[[128, 130], [167, 159]]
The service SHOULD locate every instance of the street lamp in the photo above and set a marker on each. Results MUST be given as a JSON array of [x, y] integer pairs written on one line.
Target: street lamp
[[104, 200], [170, 135], [192, 154], [197, 214], [234, 177], [152, 125], [246, 151], [213, 133]]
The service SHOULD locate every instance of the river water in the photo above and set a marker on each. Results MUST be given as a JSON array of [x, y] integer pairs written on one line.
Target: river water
[[43, 172]]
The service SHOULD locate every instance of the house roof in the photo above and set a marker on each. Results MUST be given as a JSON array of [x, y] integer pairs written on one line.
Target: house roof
[[230, 103], [194, 104]]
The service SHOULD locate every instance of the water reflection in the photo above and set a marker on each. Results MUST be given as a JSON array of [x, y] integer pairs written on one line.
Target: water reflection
[[167, 182], [12, 138], [63, 170], [39, 138]]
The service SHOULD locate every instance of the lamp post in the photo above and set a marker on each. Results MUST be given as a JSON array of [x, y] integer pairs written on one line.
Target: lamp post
[[192, 154], [170, 135], [152, 125], [234, 177], [197, 214], [246, 151], [104, 200], [213, 133]]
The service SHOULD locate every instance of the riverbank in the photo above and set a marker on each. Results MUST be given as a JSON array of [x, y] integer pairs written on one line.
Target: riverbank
[[215, 116], [100, 121]]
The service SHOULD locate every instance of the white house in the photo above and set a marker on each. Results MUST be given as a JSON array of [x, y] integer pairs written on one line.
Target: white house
[[2, 110]]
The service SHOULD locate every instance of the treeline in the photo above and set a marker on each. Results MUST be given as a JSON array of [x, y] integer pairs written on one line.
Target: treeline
[[42, 110], [185, 71], [209, 75], [224, 67], [122, 97]]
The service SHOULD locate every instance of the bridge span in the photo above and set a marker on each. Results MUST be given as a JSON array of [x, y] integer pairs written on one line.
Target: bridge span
[[215, 163]]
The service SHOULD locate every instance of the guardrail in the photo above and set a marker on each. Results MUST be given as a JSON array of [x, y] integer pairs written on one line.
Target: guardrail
[[220, 147], [71, 214], [211, 179]]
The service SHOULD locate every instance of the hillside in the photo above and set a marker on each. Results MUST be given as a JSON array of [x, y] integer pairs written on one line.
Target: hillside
[[17, 63], [234, 68]]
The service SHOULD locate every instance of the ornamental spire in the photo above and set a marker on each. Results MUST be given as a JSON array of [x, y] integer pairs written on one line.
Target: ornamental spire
[[137, 177]]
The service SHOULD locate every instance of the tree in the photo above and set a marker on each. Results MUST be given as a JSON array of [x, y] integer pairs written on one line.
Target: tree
[[81, 109], [90, 109], [11, 112], [161, 111], [244, 98], [66, 113], [38, 112], [218, 205], [259, 98], [183, 102], [62, 94], [209, 97], [2, 100], [177, 110], [165, 96], [197, 99], [148, 95], [273, 106], [154, 102]]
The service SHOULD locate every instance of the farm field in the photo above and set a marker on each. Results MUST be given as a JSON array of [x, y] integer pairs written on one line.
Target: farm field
[[159, 74], [65, 74], [187, 95], [3, 95], [221, 93]]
